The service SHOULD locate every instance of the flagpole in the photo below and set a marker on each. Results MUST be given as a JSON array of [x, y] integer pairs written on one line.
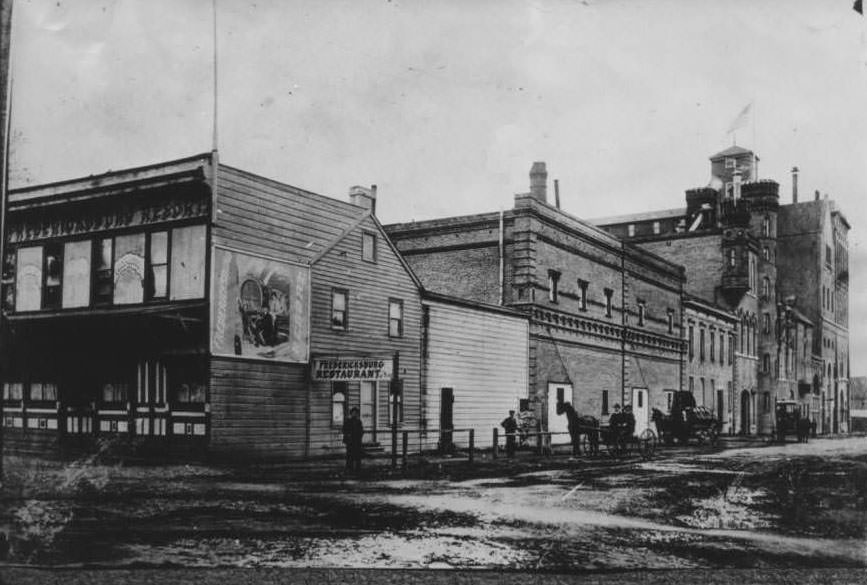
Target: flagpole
[[215, 157]]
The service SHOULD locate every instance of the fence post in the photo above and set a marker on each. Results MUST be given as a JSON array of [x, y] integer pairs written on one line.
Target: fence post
[[495, 443], [405, 446], [472, 443], [538, 438]]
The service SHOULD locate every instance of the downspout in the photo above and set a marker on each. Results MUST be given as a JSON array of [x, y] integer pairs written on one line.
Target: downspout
[[502, 263], [623, 323]]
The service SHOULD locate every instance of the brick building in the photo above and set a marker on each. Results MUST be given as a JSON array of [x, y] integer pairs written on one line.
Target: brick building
[[605, 316], [782, 269]]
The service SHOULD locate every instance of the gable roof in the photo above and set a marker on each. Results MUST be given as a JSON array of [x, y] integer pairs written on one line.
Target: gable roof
[[731, 151]]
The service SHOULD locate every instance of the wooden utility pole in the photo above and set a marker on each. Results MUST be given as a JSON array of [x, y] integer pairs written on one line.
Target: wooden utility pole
[[5, 99]]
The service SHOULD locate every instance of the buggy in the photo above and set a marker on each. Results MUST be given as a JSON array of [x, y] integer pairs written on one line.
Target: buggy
[[686, 421]]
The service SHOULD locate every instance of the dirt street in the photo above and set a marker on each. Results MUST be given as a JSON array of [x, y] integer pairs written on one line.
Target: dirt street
[[758, 508]]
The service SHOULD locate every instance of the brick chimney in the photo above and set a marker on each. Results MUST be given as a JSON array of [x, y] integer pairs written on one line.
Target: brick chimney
[[794, 184], [363, 197], [539, 182]]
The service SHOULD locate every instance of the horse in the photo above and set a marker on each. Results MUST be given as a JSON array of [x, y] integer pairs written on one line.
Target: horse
[[580, 425], [803, 428]]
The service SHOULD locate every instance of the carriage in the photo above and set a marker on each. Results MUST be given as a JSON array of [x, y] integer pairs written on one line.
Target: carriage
[[791, 421], [686, 421]]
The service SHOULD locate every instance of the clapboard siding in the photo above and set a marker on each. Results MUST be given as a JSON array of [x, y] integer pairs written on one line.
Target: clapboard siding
[[483, 356], [265, 217], [370, 286], [257, 408]]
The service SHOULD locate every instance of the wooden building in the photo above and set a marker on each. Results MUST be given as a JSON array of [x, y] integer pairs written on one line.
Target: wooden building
[[192, 305]]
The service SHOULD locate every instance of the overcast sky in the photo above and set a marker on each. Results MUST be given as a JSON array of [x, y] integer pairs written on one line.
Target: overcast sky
[[445, 105]]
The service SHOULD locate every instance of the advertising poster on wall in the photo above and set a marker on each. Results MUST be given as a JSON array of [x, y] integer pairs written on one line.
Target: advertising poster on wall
[[260, 307]]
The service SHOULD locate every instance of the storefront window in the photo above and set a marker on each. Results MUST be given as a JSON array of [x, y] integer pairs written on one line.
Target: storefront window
[[338, 403], [190, 393], [188, 263], [51, 294], [28, 279], [129, 269], [114, 392], [76, 274], [8, 280]]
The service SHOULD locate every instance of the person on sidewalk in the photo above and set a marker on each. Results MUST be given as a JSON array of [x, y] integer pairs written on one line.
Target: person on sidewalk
[[511, 425], [353, 432]]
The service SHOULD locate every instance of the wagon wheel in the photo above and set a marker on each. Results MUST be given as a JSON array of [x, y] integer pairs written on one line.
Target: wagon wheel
[[713, 435], [646, 444]]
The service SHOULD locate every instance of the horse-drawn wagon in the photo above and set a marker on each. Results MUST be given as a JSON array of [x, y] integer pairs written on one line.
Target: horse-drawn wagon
[[685, 421]]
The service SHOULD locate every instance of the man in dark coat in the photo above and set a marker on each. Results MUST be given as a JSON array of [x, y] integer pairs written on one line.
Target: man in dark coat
[[353, 431], [511, 426]]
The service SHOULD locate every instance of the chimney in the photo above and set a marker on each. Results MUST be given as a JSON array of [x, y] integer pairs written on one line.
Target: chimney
[[363, 197], [817, 194], [557, 193], [794, 184], [539, 182]]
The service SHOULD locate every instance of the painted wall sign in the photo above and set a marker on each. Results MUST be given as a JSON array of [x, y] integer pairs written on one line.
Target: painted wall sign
[[352, 369], [44, 226], [260, 307]]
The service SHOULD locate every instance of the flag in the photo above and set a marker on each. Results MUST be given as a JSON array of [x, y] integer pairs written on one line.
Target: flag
[[857, 7], [742, 118]]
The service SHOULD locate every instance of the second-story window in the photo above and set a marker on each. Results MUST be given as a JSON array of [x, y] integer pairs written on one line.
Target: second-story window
[[691, 342], [28, 279], [701, 344], [103, 272], [395, 318], [670, 315], [158, 265], [339, 309], [731, 348], [129, 269], [767, 323], [553, 283], [76, 273], [712, 334], [53, 288], [582, 295], [766, 287], [722, 348], [766, 363], [766, 227], [368, 246], [608, 295], [642, 313]]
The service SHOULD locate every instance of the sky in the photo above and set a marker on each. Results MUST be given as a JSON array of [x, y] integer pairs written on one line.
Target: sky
[[445, 105]]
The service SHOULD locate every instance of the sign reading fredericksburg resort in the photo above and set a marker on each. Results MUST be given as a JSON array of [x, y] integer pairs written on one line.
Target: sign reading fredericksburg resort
[[352, 369]]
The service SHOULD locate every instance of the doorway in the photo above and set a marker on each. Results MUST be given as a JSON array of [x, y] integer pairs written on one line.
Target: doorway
[[640, 409], [447, 401], [745, 412], [558, 423]]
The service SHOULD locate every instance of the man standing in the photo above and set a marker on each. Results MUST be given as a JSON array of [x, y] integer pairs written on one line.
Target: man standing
[[353, 431], [511, 426]]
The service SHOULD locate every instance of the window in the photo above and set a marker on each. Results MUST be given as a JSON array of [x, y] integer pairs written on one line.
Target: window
[[753, 276], [743, 335], [766, 401], [8, 280], [669, 398], [642, 312], [582, 295], [129, 269], [395, 398], [766, 254], [828, 254], [339, 313], [766, 363], [732, 256], [691, 342], [28, 279], [630, 229], [43, 392], [767, 323], [367, 405], [368, 246], [338, 403], [553, 281], [656, 227], [720, 404], [712, 335], [395, 318], [670, 316], [731, 348], [187, 382], [53, 290], [158, 265], [187, 263], [702, 390], [608, 294], [766, 227], [730, 163], [605, 402], [722, 347], [766, 287], [13, 390], [114, 392], [701, 344], [76, 274], [103, 273]]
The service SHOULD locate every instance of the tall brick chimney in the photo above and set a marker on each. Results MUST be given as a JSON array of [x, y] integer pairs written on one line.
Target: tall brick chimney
[[363, 197], [794, 184], [539, 182]]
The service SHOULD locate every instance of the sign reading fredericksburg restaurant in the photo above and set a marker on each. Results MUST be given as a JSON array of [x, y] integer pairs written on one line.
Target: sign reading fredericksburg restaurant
[[352, 369]]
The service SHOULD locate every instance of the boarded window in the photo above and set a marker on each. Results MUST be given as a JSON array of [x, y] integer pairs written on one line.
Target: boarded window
[[76, 274], [188, 263], [28, 279], [129, 269]]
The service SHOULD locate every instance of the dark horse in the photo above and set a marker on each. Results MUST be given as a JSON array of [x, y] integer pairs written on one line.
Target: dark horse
[[580, 425]]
